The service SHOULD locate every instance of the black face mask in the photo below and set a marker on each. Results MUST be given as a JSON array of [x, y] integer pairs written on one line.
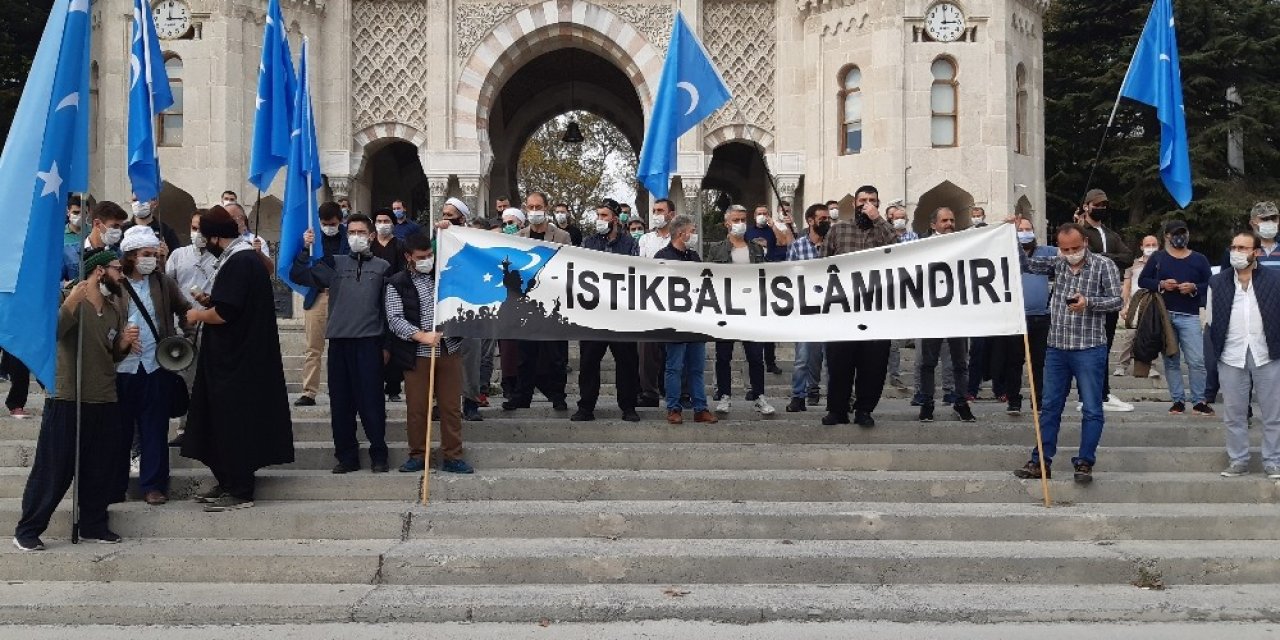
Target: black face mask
[[822, 228], [213, 249], [1179, 241], [862, 219], [1100, 214]]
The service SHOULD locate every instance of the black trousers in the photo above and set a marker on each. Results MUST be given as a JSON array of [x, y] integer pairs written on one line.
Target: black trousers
[[931, 352], [55, 463], [626, 359], [856, 366], [653, 369], [1113, 319], [19, 381], [237, 482], [355, 387], [724, 368], [1012, 358], [392, 380], [542, 368], [770, 354]]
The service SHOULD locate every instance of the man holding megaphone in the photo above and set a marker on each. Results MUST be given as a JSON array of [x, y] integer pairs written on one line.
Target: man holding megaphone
[[144, 387]]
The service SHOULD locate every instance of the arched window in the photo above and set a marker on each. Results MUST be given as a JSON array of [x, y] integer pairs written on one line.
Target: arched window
[[1020, 111], [942, 102], [169, 121], [851, 111]]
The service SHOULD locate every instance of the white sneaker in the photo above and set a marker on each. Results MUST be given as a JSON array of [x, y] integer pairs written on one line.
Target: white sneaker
[[1155, 374], [763, 406], [1118, 372], [723, 406], [1116, 405], [1080, 406], [135, 465]]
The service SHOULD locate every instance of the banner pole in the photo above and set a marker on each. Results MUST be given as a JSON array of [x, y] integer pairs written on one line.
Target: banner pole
[[1035, 417], [75, 473], [431, 396]]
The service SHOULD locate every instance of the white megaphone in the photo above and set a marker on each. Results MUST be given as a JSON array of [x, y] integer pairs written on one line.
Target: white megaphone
[[175, 353]]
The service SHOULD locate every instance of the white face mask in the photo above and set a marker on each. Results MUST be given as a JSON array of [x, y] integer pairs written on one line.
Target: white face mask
[[329, 229], [762, 220], [102, 288], [425, 265], [1074, 259], [602, 226], [141, 209], [359, 244], [978, 220], [537, 217], [693, 240], [738, 229], [900, 224], [112, 236], [146, 265], [227, 201], [1148, 251], [1268, 229], [383, 228], [197, 240], [1239, 260], [658, 222], [561, 219], [834, 213]]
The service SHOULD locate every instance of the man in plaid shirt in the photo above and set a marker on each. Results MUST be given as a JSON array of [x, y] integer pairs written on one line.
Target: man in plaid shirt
[[807, 376], [1086, 289]]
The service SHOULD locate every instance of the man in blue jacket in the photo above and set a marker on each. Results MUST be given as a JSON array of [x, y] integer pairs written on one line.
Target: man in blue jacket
[[1181, 277], [315, 306]]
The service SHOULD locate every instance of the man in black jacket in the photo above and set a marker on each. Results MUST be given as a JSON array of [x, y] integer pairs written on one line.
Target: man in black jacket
[[685, 360], [1093, 216]]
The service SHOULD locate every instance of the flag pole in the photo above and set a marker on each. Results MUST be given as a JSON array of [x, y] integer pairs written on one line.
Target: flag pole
[[1088, 183], [431, 379], [75, 472], [1035, 418]]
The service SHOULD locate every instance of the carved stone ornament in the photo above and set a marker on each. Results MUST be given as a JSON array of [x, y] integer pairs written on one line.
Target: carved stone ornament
[[653, 21], [472, 21], [340, 186], [741, 36], [389, 53]]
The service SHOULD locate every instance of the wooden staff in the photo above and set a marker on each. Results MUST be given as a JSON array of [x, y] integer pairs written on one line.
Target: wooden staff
[[431, 396], [1035, 416]]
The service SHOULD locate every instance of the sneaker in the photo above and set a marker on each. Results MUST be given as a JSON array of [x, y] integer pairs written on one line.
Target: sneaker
[[864, 419], [412, 465], [304, 401], [965, 413], [970, 397], [560, 405], [227, 503], [926, 413], [1235, 470], [1178, 408], [342, 468], [1272, 471], [1031, 471], [471, 411], [19, 413], [512, 405], [209, 495], [774, 369], [155, 498], [482, 399], [949, 398], [917, 400], [833, 419], [896, 381], [583, 415], [1013, 410], [1084, 473], [106, 536], [675, 417], [378, 467], [456, 466], [1202, 409], [814, 399], [395, 397], [135, 464], [28, 544], [763, 407], [705, 416], [630, 415], [647, 401], [178, 440], [1116, 405], [723, 406], [1118, 372], [796, 405], [1154, 374]]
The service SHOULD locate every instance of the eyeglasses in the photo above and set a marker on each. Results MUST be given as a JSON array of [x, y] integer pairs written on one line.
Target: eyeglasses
[[1236, 247]]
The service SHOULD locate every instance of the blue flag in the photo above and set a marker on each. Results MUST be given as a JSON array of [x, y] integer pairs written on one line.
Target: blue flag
[[149, 94], [690, 90], [475, 274], [302, 179], [1155, 79], [45, 158], [277, 91]]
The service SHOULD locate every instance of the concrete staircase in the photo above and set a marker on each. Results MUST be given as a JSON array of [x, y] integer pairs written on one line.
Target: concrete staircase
[[749, 520]]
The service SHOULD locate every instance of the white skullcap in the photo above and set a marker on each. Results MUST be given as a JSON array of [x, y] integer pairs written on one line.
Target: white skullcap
[[461, 207], [514, 213], [139, 237]]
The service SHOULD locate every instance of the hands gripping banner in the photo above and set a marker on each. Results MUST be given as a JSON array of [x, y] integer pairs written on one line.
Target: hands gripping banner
[[961, 284]]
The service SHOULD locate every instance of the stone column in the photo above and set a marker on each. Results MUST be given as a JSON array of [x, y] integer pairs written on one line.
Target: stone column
[[787, 186], [340, 187], [470, 186], [439, 188]]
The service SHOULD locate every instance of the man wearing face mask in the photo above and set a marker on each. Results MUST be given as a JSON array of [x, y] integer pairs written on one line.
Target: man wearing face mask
[[1150, 245], [192, 268], [1265, 219], [108, 220], [735, 249], [241, 218], [476, 354], [345, 205], [355, 333], [943, 221], [653, 241], [1094, 214], [864, 363], [315, 306], [609, 238], [410, 307], [142, 387], [512, 221], [91, 308], [1181, 277], [625, 216], [144, 215], [1086, 288], [685, 360], [1244, 306], [229, 197], [239, 417], [565, 221], [897, 215], [806, 379], [977, 217], [653, 355], [833, 210], [387, 246], [540, 227], [542, 364], [71, 235], [898, 218], [773, 237], [404, 226], [1009, 352]]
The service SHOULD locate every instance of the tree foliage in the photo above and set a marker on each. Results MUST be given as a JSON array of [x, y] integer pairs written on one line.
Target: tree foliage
[[1223, 44], [581, 174], [23, 23]]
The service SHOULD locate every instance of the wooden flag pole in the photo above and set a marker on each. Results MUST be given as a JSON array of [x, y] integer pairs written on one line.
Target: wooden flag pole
[[431, 396], [1035, 417]]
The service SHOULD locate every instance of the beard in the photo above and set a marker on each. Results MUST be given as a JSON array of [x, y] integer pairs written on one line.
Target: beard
[[113, 286]]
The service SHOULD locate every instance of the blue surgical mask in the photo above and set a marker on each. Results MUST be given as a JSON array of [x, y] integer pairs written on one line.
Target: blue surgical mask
[[1026, 237], [510, 228], [624, 217], [399, 213]]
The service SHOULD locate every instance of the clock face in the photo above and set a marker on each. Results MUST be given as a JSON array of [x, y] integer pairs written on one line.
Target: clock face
[[172, 18], [944, 22]]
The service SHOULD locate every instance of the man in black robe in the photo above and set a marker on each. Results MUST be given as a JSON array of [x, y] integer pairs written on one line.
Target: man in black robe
[[239, 417]]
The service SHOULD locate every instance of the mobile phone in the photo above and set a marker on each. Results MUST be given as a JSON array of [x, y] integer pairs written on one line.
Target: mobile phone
[[1075, 299]]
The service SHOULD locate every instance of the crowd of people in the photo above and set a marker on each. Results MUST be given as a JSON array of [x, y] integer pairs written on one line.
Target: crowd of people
[[370, 311]]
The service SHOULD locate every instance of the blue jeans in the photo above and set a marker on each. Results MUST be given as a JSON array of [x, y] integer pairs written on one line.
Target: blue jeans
[[1089, 368], [685, 364], [1191, 350], [808, 372]]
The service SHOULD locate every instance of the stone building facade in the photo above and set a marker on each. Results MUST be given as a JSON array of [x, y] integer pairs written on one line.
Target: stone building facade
[[425, 99]]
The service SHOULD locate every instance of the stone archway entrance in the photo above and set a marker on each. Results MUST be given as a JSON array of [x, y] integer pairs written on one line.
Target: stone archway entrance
[[394, 172]]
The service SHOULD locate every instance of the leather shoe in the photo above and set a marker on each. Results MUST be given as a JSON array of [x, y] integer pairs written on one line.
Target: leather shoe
[[675, 417], [630, 415], [796, 405], [832, 419], [560, 405], [582, 415], [646, 401], [304, 401], [863, 419], [378, 467], [156, 498], [705, 417], [342, 468]]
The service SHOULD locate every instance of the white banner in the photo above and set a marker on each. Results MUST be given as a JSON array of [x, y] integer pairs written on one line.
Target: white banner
[[500, 286]]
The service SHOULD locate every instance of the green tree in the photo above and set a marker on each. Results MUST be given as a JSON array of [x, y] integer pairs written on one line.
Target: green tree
[[580, 174], [1223, 44], [23, 23]]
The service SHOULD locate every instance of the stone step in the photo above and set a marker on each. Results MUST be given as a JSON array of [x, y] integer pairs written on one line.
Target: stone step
[[399, 520], [764, 611], [571, 561], [752, 485]]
